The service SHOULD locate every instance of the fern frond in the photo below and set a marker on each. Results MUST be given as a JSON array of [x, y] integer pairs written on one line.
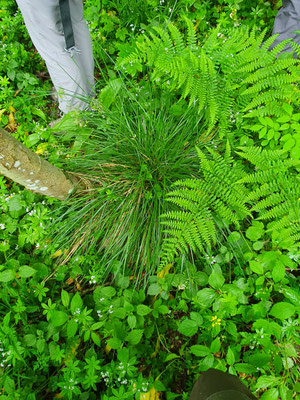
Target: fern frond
[[277, 198], [216, 192], [191, 34], [235, 71]]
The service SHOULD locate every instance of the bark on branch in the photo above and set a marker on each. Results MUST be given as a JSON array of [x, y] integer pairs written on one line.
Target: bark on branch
[[25, 167]]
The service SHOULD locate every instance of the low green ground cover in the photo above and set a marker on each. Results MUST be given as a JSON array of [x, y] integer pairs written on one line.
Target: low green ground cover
[[99, 318]]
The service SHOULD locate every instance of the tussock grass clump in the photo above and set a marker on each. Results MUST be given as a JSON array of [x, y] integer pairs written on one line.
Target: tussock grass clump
[[131, 158]]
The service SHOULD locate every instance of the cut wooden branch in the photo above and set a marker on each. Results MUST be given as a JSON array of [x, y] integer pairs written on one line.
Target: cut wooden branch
[[25, 167]]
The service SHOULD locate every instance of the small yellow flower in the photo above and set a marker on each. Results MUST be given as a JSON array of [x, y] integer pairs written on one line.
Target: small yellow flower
[[215, 321]]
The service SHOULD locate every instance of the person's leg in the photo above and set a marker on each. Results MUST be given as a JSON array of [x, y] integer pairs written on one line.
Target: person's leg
[[83, 41], [286, 22], [43, 22]]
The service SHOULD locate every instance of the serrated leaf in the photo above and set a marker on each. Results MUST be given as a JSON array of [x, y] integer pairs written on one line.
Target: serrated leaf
[[282, 310], [264, 382], [135, 336], [154, 289], [206, 297], [259, 359], [131, 321], [199, 350], [188, 327], [114, 343], [7, 276], [143, 310], [270, 394], [105, 292], [25, 271], [163, 309]]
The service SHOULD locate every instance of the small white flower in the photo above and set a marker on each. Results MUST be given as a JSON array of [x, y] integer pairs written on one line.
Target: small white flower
[[2, 226]]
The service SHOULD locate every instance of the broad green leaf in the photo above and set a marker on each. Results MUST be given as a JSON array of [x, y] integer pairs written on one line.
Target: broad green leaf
[[255, 231], [278, 271], [201, 278], [30, 340], [123, 355], [264, 382], [72, 326], [256, 267], [216, 280], [25, 271], [206, 297], [292, 295], [114, 343], [288, 108], [171, 357], [215, 345], [154, 289], [76, 303], [270, 394], [105, 292], [95, 339], [7, 276], [143, 309], [9, 386], [199, 350], [15, 204], [282, 310], [230, 358], [163, 309], [159, 387], [96, 326], [188, 327], [259, 359], [135, 336], [245, 368], [131, 321], [58, 318], [65, 298], [234, 237], [258, 245], [197, 317]]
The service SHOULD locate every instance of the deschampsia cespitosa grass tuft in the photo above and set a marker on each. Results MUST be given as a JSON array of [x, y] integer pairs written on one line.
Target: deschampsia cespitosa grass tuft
[[134, 154]]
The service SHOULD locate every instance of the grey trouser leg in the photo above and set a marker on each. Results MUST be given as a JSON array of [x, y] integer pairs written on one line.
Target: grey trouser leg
[[287, 20], [71, 74]]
